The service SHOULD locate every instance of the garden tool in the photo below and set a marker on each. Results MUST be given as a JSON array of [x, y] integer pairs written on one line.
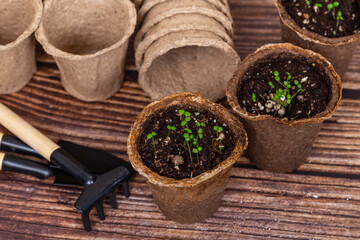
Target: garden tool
[[97, 161], [96, 188]]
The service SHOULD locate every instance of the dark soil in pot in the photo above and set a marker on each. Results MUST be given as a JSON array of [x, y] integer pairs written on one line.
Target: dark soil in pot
[[285, 87], [327, 18], [177, 150]]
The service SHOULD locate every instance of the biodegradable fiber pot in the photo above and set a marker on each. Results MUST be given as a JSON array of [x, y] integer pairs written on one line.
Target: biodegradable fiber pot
[[169, 8], [188, 200], [147, 5], [18, 21], [177, 23], [338, 51], [196, 61], [275, 144], [89, 43]]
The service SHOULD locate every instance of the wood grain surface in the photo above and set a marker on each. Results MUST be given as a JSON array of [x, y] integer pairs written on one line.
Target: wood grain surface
[[321, 200]]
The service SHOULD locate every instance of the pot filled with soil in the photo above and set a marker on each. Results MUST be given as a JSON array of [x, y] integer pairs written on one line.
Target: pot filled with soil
[[185, 146], [18, 22], [331, 28], [283, 93], [89, 44]]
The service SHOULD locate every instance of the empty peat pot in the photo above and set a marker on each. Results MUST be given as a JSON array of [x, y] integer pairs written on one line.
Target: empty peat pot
[[89, 41], [178, 23], [155, 9], [18, 21], [278, 143], [188, 61], [338, 50], [194, 198], [166, 9]]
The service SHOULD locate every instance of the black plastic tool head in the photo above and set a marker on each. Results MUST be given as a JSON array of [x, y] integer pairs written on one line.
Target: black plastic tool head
[[95, 193]]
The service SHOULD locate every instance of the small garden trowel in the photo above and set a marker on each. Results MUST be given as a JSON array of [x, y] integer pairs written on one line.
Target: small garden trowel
[[89, 157]]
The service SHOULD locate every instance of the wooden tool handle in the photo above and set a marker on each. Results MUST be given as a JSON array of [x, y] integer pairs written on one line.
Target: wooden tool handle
[[2, 156], [26, 132]]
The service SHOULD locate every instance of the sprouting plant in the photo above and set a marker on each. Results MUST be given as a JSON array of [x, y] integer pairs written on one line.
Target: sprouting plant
[[307, 2], [189, 137], [333, 5], [319, 5], [218, 130], [308, 114], [254, 97], [220, 136], [171, 128], [339, 17], [283, 96], [151, 136]]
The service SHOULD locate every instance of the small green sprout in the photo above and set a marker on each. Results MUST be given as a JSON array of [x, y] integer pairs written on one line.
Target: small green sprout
[[197, 150], [276, 76], [151, 136], [330, 6], [318, 5], [289, 76], [171, 128], [271, 84], [307, 2], [254, 97], [181, 111], [218, 129], [333, 5], [339, 18]]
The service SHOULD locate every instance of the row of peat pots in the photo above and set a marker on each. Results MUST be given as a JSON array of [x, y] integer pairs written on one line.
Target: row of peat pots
[[184, 144]]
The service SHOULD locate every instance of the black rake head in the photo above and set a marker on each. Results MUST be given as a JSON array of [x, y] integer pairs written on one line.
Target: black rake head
[[96, 191]]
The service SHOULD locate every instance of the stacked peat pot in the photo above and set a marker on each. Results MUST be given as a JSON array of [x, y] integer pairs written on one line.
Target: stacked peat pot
[[185, 45]]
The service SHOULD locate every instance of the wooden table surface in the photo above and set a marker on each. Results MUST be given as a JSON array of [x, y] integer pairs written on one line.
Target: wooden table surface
[[321, 200]]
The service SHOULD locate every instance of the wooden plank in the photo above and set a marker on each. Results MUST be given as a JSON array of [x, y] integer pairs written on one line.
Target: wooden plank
[[321, 200]]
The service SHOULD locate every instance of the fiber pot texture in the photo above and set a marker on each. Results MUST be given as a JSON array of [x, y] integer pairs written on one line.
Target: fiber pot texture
[[188, 200], [338, 51], [18, 21], [89, 43], [177, 23], [147, 5], [169, 8], [275, 144], [196, 61]]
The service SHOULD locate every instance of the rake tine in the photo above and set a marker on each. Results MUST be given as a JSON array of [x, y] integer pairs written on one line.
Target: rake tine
[[100, 211], [113, 201], [86, 221], [125, 188]]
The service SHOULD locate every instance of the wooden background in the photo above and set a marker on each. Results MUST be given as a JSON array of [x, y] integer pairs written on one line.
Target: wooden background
[[319, 201]]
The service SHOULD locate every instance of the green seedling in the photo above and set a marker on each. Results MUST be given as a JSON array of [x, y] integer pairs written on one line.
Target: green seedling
[[307, 2], [318, 5], [171, 128], [332, 6], [151, 136], [254, 97]]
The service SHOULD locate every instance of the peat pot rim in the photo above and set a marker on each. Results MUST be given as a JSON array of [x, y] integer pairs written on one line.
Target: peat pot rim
[[181, 99], [336, 85], [38, 6], [312, 36], [56, 52]]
